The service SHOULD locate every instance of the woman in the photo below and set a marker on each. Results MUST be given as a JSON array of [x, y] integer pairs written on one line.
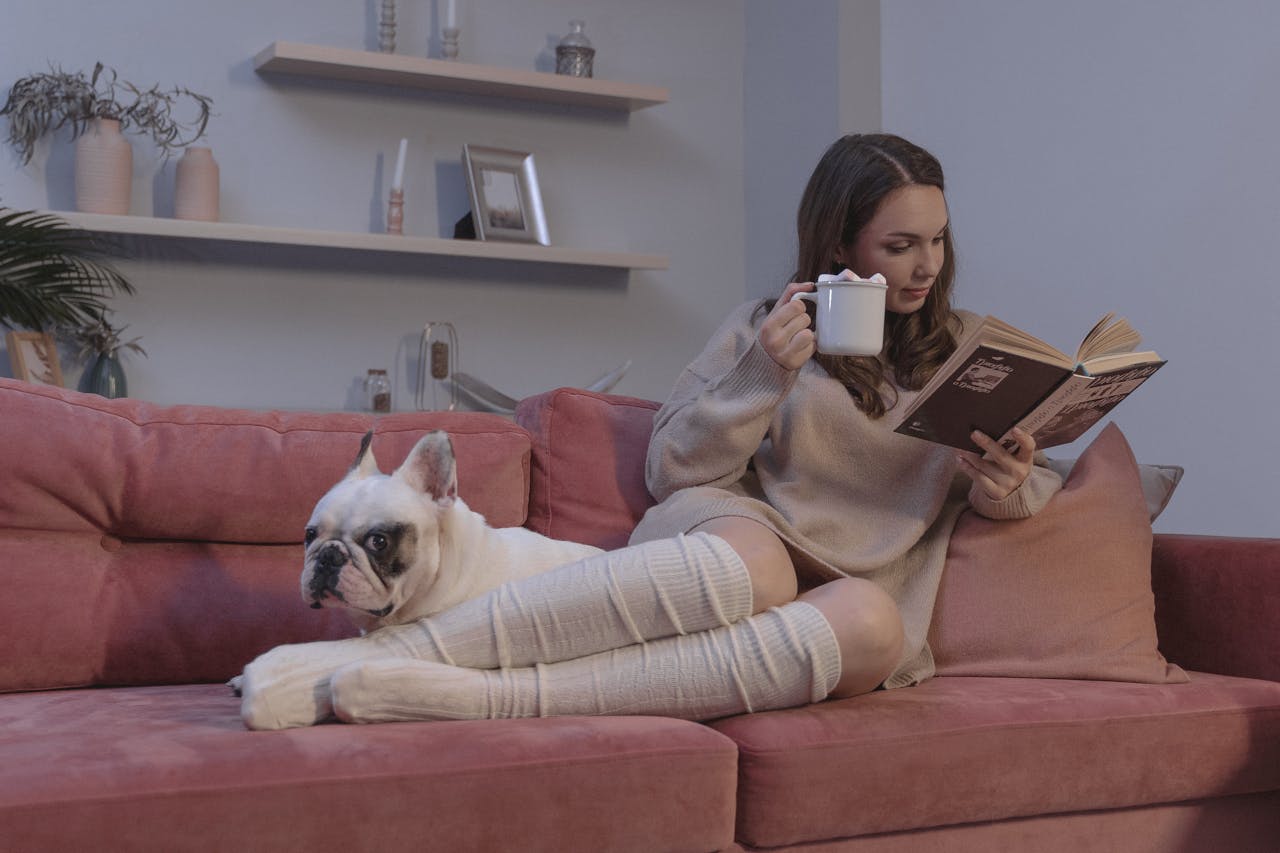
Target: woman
[[776, 472]]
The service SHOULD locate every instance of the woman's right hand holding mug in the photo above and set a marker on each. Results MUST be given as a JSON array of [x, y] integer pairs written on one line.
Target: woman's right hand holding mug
[[786, 334]]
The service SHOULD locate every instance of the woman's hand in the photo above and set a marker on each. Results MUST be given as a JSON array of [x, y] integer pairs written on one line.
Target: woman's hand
[[999, 472], [785, 334]]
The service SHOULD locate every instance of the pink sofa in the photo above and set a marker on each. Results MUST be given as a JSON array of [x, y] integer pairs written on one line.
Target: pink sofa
[[147, 553]]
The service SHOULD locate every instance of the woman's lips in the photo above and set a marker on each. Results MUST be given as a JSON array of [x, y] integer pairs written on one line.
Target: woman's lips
[[914, 293]]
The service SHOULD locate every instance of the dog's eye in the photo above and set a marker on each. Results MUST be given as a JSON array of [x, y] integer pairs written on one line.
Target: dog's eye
[[375, 543], [310, 536]]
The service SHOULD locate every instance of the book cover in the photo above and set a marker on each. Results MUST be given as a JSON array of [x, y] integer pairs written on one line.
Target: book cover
[[990, 390]]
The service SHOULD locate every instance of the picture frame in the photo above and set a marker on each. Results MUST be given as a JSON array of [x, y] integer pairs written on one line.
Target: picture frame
[[34, 356], [506, 203]]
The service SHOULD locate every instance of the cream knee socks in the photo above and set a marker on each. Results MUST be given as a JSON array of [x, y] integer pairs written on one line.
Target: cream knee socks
[[643, 592], [781, 658], [655, 589]]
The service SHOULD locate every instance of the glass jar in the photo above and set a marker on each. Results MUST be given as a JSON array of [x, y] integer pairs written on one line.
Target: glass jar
[[378, 391], [574, 54]]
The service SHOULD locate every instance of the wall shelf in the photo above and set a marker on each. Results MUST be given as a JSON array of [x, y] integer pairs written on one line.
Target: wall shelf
[[147, 226], [337, 63]]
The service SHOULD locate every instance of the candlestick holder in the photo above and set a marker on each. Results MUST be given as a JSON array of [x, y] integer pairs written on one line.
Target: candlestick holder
[[450, 42], [387, 27], [395, 212]]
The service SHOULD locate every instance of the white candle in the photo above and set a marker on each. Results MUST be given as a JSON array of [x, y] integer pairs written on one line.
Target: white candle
[[451, 15], [397, 183]]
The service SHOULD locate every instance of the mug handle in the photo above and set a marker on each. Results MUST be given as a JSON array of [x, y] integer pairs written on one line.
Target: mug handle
[[809, 295]]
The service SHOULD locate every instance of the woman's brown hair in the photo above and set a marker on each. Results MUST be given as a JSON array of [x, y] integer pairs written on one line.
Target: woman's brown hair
[[844, 192]]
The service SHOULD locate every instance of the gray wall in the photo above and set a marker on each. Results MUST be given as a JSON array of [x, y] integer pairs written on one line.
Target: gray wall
[[296, 328], [1120, 156], [1101, 156]]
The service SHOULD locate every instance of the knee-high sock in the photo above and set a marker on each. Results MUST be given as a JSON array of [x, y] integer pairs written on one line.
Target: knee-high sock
[[643, 592], [783, 657], [655, 589]]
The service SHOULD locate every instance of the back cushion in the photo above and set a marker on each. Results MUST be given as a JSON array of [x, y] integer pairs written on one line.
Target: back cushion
[[588, 464], [159, 544]]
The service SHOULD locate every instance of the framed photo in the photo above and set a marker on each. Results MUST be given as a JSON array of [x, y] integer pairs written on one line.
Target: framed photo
[[34, 356], [505, 201]]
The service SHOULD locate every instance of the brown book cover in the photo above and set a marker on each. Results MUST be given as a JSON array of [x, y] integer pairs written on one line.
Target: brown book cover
[[1000, 377]]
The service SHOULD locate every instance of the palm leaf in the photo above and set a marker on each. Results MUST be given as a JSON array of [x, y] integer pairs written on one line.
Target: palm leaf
[[52, 274]]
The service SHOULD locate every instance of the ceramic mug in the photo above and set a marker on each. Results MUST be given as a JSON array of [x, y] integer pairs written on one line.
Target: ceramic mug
[[850, 314]]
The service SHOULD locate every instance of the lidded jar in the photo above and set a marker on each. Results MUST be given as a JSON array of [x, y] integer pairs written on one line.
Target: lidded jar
[[574, 54], [378, 391]]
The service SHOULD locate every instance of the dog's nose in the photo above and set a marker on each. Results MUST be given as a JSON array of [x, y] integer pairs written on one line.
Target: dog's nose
[[330, 558]]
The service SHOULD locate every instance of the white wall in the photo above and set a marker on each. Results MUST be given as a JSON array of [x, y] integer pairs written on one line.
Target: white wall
[[1120, 156], [264, 327]]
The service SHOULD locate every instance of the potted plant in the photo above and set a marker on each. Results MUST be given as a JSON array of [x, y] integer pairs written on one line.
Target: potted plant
[[100, 344], [52, 275], [98, 108]]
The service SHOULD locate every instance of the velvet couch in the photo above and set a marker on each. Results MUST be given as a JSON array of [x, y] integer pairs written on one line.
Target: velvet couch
[[147, 553]]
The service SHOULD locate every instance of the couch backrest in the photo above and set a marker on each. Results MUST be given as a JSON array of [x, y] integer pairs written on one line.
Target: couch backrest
[[159, 544]]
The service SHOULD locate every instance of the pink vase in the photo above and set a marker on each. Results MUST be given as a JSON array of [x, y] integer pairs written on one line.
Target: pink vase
[[195, 189], [104, 168]]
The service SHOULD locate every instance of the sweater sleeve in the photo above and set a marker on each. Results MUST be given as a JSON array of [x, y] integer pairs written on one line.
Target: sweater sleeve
[[1023, 502], [718, 413]]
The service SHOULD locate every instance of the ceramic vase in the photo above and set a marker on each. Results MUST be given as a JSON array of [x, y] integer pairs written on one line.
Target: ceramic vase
[[106, 377], [104, 169], [195, 189]]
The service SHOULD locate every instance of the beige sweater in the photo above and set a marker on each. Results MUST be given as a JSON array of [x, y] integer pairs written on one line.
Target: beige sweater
[[851, 497]]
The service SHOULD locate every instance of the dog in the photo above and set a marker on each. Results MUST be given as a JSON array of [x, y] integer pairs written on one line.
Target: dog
[[394, 549]]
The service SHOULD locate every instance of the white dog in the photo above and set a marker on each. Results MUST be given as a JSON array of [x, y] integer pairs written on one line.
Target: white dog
[[392, 549]]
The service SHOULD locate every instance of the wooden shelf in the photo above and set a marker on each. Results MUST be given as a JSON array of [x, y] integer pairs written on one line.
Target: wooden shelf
[[337, 63], [486, 250]]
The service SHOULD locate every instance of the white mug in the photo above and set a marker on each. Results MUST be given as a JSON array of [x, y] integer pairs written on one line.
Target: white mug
[[850, 314]]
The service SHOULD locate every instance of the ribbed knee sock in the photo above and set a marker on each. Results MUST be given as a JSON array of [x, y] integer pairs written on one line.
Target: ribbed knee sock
[[781, 658]]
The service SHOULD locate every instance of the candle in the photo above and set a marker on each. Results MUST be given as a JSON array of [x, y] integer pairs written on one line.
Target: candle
[[451, 15], [397, 183]]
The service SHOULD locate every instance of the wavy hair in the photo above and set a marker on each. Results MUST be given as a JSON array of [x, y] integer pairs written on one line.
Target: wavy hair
[[843, 194]]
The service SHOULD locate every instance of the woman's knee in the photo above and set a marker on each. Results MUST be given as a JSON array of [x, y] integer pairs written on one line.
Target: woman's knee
[[773, 575], [868, 629]]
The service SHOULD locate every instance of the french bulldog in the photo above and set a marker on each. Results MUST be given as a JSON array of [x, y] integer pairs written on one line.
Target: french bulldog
[[390, 550]]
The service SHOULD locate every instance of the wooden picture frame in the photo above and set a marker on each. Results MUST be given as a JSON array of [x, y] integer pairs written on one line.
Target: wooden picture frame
[[34, 357], [506, 203]]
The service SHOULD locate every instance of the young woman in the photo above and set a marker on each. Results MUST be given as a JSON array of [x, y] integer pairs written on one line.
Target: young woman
[[776, 473]]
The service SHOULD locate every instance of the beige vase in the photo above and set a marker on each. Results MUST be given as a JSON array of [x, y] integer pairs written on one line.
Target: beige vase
[[104, 168], [195, 188]]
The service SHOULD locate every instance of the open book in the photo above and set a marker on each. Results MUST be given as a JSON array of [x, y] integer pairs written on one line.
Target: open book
[[1000, 377]]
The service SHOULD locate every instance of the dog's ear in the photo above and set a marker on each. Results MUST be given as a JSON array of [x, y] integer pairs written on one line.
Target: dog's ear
[[365, 465], [430, 467]]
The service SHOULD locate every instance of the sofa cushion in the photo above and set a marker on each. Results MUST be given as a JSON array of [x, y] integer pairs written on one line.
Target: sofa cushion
[[167, 539], [588, 464], [961, 750], [1063, 594], [136, 470], [173, 768]]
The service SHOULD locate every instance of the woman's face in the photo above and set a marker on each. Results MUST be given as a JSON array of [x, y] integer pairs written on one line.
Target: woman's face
[[904, 243]]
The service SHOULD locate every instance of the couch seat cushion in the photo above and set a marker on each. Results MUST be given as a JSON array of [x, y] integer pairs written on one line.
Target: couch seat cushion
[[173, 768], [960, 750]]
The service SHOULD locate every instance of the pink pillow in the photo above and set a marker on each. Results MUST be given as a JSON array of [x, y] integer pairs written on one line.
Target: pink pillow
[[587, 480], [1063, 594]]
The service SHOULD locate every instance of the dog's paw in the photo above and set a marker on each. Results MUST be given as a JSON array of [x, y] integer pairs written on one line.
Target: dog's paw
[[237, 685]]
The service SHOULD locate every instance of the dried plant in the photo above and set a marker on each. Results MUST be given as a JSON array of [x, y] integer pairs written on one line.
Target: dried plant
[[52, 274], [100, 338], [44, 103]]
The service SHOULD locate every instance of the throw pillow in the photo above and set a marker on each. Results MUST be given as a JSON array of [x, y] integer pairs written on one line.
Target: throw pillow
[[1158, 482], [1063, 594]]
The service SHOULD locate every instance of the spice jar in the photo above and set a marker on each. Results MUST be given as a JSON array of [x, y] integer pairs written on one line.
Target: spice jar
[[378, 391]]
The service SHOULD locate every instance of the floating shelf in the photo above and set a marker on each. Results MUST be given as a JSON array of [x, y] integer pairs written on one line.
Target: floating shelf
[[481, 249], [338, 63]]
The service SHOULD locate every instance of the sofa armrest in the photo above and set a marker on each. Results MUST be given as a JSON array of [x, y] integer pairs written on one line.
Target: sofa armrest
[[1218, 603]]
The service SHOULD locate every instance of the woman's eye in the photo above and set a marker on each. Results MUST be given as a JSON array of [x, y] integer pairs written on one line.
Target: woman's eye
[[899, 248], [375, 542], [310, 536]]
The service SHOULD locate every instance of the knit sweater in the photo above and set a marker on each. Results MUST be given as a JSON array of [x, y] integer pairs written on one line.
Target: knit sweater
[[742, 436]]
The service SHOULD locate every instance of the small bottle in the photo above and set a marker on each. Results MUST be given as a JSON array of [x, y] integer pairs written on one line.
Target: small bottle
[[574, 54], [378, 391]]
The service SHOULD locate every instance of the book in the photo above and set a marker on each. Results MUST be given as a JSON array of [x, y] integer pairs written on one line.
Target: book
[[1001, 377]]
